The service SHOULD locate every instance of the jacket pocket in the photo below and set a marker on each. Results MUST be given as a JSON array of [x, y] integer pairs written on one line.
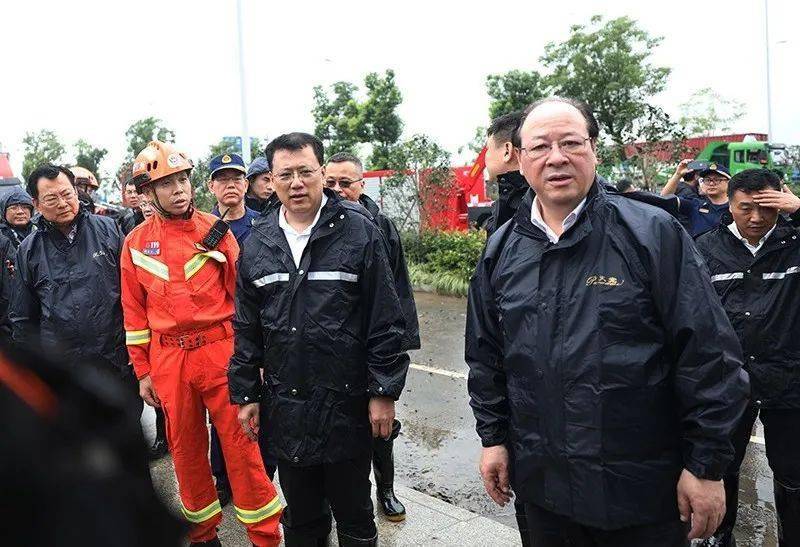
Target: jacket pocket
[[638, 421]]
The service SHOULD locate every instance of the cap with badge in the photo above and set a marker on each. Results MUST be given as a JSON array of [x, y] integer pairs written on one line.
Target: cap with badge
[[226, 161], [714, 168], [259, 166]]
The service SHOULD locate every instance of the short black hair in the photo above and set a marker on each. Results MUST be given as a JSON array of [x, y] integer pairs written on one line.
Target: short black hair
[[294, 142], [624, 184], [48, 171], [504, 128], [341, 157], [753, 180], [592, 126]]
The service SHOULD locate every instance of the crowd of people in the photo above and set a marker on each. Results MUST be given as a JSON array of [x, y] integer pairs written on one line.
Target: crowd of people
[[620, 344]]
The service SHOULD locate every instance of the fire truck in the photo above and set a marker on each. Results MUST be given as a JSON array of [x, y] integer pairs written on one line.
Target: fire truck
[[464, 203]]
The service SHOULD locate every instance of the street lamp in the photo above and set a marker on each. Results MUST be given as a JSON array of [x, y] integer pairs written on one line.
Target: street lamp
[[769, 86], [243, 100]]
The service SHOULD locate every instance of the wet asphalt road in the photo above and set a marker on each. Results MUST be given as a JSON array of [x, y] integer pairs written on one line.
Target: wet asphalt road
[[438, 449]]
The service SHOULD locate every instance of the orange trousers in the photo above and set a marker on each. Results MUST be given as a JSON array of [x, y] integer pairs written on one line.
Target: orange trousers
[[189, 381]]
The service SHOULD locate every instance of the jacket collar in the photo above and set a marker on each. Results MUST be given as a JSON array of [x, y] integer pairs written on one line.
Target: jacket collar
[[370, 205], [777, 239], [513, 180], [187, 224], [47, 227], [269, 224], [594, 198]]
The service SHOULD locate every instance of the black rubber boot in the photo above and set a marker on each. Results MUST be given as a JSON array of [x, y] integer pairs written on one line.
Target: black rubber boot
[[348, 541], [383, 465], [210, 543], [787, 505], [159, 448], [293, 539]]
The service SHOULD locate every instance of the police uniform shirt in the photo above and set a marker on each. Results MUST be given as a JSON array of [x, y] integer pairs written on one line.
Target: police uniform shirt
[[703, 215]]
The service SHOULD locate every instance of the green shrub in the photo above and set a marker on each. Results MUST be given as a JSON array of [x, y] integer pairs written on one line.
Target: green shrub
[[444, 260]]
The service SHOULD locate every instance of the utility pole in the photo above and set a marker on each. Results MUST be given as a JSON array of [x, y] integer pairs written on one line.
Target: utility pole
[[769, 86], [243, 91]]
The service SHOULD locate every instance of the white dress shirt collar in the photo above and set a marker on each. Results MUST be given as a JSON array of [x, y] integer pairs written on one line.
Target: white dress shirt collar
[[298, 240], [752, 248], [538, 221]]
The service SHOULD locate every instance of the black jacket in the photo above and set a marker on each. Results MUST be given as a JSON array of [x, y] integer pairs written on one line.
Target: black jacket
[[67, 295], [7, 272], [397, 260], [255, 203], [328, 334], [130, 220], [72, 448], [13, 197], [511, 188], [604, 362], [761, 295]]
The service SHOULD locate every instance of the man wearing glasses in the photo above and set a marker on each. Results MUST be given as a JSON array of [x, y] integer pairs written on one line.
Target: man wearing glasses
[[344, 174], [66, 295], [704, 212], [592, 371], [317, 309]]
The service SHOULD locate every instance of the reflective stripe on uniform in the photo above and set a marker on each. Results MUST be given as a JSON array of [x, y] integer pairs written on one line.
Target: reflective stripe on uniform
[[727, 277], [203, 514], [136, 337], [781, 275], [148, 264], [256, 515], [271, 278], [333, 276], [197, 261]]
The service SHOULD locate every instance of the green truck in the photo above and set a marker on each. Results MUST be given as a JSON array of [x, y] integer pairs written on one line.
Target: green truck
[[748, 154]]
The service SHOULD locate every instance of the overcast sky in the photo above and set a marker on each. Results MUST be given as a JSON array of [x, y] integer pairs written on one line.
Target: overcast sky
[[87, 69]]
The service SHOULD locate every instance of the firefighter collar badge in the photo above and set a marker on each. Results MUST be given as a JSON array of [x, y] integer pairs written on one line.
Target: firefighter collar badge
[[152, 248], [226, 159]]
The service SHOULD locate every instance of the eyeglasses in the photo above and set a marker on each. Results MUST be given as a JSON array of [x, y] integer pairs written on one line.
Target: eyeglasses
[[304, 174], [53, 200], [230, 178], [715, 180], [18, 207], [343, 183], [569, 145]]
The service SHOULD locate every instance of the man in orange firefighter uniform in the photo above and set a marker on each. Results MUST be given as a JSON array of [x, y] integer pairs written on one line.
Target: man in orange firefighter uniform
[[177, 297]]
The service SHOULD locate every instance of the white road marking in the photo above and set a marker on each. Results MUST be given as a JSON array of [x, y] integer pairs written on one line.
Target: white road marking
[[443, 372], [451, 374]]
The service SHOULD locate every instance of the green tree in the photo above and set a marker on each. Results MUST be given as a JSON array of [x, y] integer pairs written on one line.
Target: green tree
[[145, 130], [707, 112], [89, 156], [342, 122], [337, 117], [41, 147], [658, 137], [513, 90], [421, 187], [204, 199], [607, 65], [381, 123]]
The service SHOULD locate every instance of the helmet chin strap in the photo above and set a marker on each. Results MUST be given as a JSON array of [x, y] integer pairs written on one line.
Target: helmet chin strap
[[169, 216]]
